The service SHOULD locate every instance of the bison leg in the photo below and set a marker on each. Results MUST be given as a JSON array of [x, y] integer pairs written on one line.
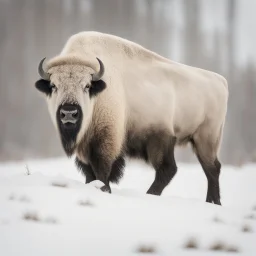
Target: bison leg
[[212, 172], [117, 170], [161, 154], [86, 170], [103, 149], [102, 171], [207, 156], [100, 163]]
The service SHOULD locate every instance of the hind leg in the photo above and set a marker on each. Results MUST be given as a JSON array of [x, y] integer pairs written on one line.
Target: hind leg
[[206, 151], [212, 172], [161, 155]]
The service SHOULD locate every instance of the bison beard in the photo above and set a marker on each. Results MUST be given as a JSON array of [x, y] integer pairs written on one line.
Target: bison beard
[[68, 135]]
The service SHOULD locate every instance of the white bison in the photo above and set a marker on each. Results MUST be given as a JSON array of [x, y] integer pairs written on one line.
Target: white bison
[[110, 98]]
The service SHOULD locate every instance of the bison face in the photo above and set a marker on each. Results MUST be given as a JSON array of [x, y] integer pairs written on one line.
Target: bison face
[[71, 92]]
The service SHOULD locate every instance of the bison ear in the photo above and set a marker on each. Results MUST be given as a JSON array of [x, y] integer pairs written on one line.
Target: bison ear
[[97, 87], [43, 86]]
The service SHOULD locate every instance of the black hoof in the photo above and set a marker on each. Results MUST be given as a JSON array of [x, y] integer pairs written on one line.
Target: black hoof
[[154, 191], [217, 202], [106, 189], [211, 201]]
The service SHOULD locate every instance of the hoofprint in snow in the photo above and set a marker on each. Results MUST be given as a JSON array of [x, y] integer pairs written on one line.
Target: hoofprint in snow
[[46, 209]]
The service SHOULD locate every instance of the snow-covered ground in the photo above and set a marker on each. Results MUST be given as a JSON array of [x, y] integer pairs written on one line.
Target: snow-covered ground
[[46, 209]]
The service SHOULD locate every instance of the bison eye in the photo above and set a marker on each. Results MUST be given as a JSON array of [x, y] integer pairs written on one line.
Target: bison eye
[[86, 88], [53, 87]]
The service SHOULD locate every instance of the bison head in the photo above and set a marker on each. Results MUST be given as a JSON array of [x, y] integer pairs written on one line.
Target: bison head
[[70, 90]]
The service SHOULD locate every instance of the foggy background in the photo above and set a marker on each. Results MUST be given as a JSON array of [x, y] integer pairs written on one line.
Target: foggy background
[[218, 35]]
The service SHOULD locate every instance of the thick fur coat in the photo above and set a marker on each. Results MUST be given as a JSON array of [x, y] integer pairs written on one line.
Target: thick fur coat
[[148, 100]]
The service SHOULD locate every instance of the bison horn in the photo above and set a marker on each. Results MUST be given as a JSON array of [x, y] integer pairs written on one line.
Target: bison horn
[[41, 71], [98, 76]]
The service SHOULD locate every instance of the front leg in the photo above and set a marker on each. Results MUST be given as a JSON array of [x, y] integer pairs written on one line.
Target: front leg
[[86, 170], [100, 159], [102, 170]]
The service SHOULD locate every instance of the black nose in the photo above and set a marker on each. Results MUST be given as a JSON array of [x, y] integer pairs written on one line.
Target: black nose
[[69, 114]]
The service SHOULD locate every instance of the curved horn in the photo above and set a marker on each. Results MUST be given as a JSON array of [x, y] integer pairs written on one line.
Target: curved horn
[[41, 71], [98, 76]]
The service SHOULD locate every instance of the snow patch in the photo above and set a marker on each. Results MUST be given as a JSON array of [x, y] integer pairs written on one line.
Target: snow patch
[[52, 211]]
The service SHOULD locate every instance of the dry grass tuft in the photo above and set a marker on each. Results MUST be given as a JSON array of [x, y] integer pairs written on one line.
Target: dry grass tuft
[[250, 217], [232, 248], [86, 203], [12, 197], [27, 170], [221, 246], [59, 184], [51, 220], [146, 249], [24, 199], [31, 216], [191, 244], [218, 246], [246, 228], [217, 220]]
